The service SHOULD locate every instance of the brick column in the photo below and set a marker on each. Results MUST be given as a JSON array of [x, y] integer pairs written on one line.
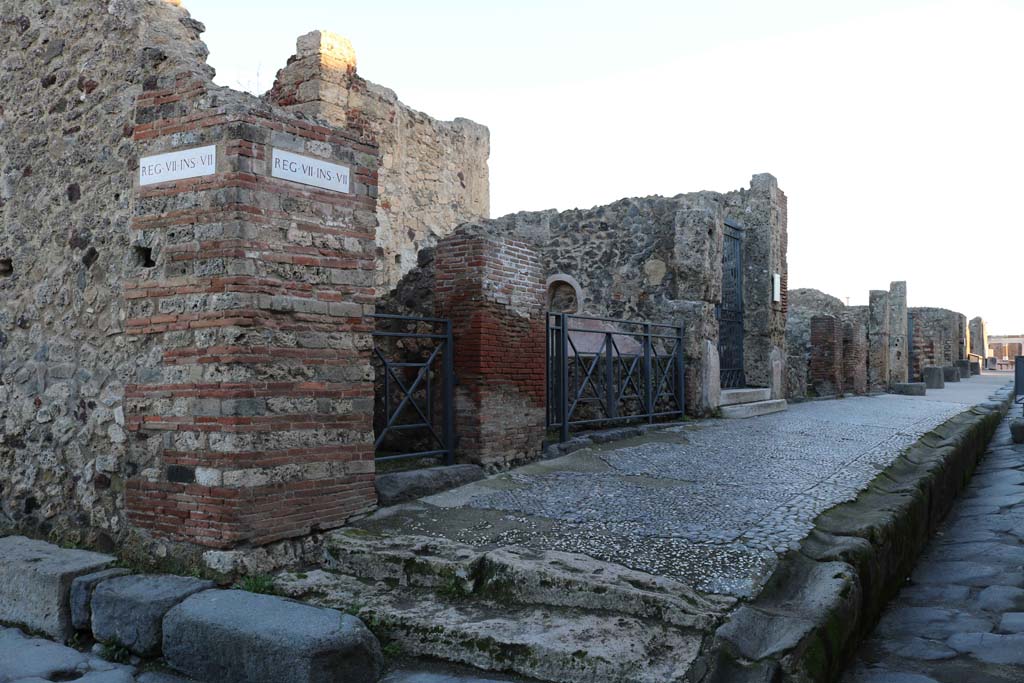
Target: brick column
[[251, 411], [826, 365], [493, 292]]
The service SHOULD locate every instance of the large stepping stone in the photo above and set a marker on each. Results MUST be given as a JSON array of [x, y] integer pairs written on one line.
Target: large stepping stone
[[35, 583], [129, 610], [233, 636]]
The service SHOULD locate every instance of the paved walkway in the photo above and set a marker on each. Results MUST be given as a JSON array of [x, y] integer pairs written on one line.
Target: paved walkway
[[960, 619], [710, 503]]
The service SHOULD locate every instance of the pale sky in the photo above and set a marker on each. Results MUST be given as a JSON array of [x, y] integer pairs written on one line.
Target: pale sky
[[894, 126]]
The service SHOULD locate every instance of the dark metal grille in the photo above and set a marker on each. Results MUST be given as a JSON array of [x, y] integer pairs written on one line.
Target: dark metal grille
[[604, 370], [413, 362], [730, 313]]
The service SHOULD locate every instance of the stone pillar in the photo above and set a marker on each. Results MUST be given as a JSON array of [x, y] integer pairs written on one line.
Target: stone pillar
[[855, 370], [763, 213], [979, 337], [251, 412], [878, 341], [493, 291], [826, 364], [899, 345]]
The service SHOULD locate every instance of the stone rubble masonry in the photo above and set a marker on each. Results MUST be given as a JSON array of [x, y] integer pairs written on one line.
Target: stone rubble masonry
[[899, 345], [69, 76], [827, 367], [433, 174], [254, 421], [492, 289]]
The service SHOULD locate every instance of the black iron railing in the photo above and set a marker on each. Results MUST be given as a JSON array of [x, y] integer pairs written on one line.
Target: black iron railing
[[605, 370], [415, 388]]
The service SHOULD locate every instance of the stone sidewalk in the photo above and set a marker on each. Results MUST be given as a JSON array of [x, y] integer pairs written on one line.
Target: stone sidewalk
[[960, 619], [710, 503]]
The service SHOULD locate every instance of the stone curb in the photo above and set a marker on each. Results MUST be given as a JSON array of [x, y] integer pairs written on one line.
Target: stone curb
[[826, 597], [162, 615]]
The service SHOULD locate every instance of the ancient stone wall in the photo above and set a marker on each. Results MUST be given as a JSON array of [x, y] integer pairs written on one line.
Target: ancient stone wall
[[433, 174], [660, 259], [855, 354], [194, 351], [939, 338], [69, 76], [804, 304]]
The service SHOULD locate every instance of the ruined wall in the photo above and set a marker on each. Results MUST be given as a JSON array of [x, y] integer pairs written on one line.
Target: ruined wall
[[660, 259], [878, 340], [939, 338], [804, 304], [194, 352], [69, 76], [433, 174]]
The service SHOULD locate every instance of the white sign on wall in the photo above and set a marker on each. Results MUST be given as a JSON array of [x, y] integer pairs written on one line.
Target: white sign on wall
[[184, 163], [309, 171]]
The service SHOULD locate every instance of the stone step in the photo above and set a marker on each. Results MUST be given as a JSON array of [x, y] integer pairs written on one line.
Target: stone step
[[754, 409], [562, 645], [515, 575], [731, 397]]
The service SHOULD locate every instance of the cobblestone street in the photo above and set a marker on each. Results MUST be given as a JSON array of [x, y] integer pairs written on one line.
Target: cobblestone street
[[960, 618], [710, 503]]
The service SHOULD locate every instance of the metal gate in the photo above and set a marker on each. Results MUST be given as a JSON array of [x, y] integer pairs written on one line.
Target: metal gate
[[730, 312], [603, 370], [414, 367]]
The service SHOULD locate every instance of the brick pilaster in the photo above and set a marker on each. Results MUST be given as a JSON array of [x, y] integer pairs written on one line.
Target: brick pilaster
[[252, 413], [493, 291]]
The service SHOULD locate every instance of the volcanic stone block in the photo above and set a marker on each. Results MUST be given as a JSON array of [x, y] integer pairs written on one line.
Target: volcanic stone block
[[1017, 430], [81, 595], [233, 636], [950, 373], [399, 487], [975, 367], [933, 377], [129, 610], [35, 583], [964, 366], [909, 388]]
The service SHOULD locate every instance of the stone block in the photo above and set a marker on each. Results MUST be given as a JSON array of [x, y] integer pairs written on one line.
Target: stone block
[[1017, 430], [129, 610], [400, 487], [975, 367], [81, 595], [933, 377], [909, 388], [35, 583], [950, 373], [233, 636], [964, 366]]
